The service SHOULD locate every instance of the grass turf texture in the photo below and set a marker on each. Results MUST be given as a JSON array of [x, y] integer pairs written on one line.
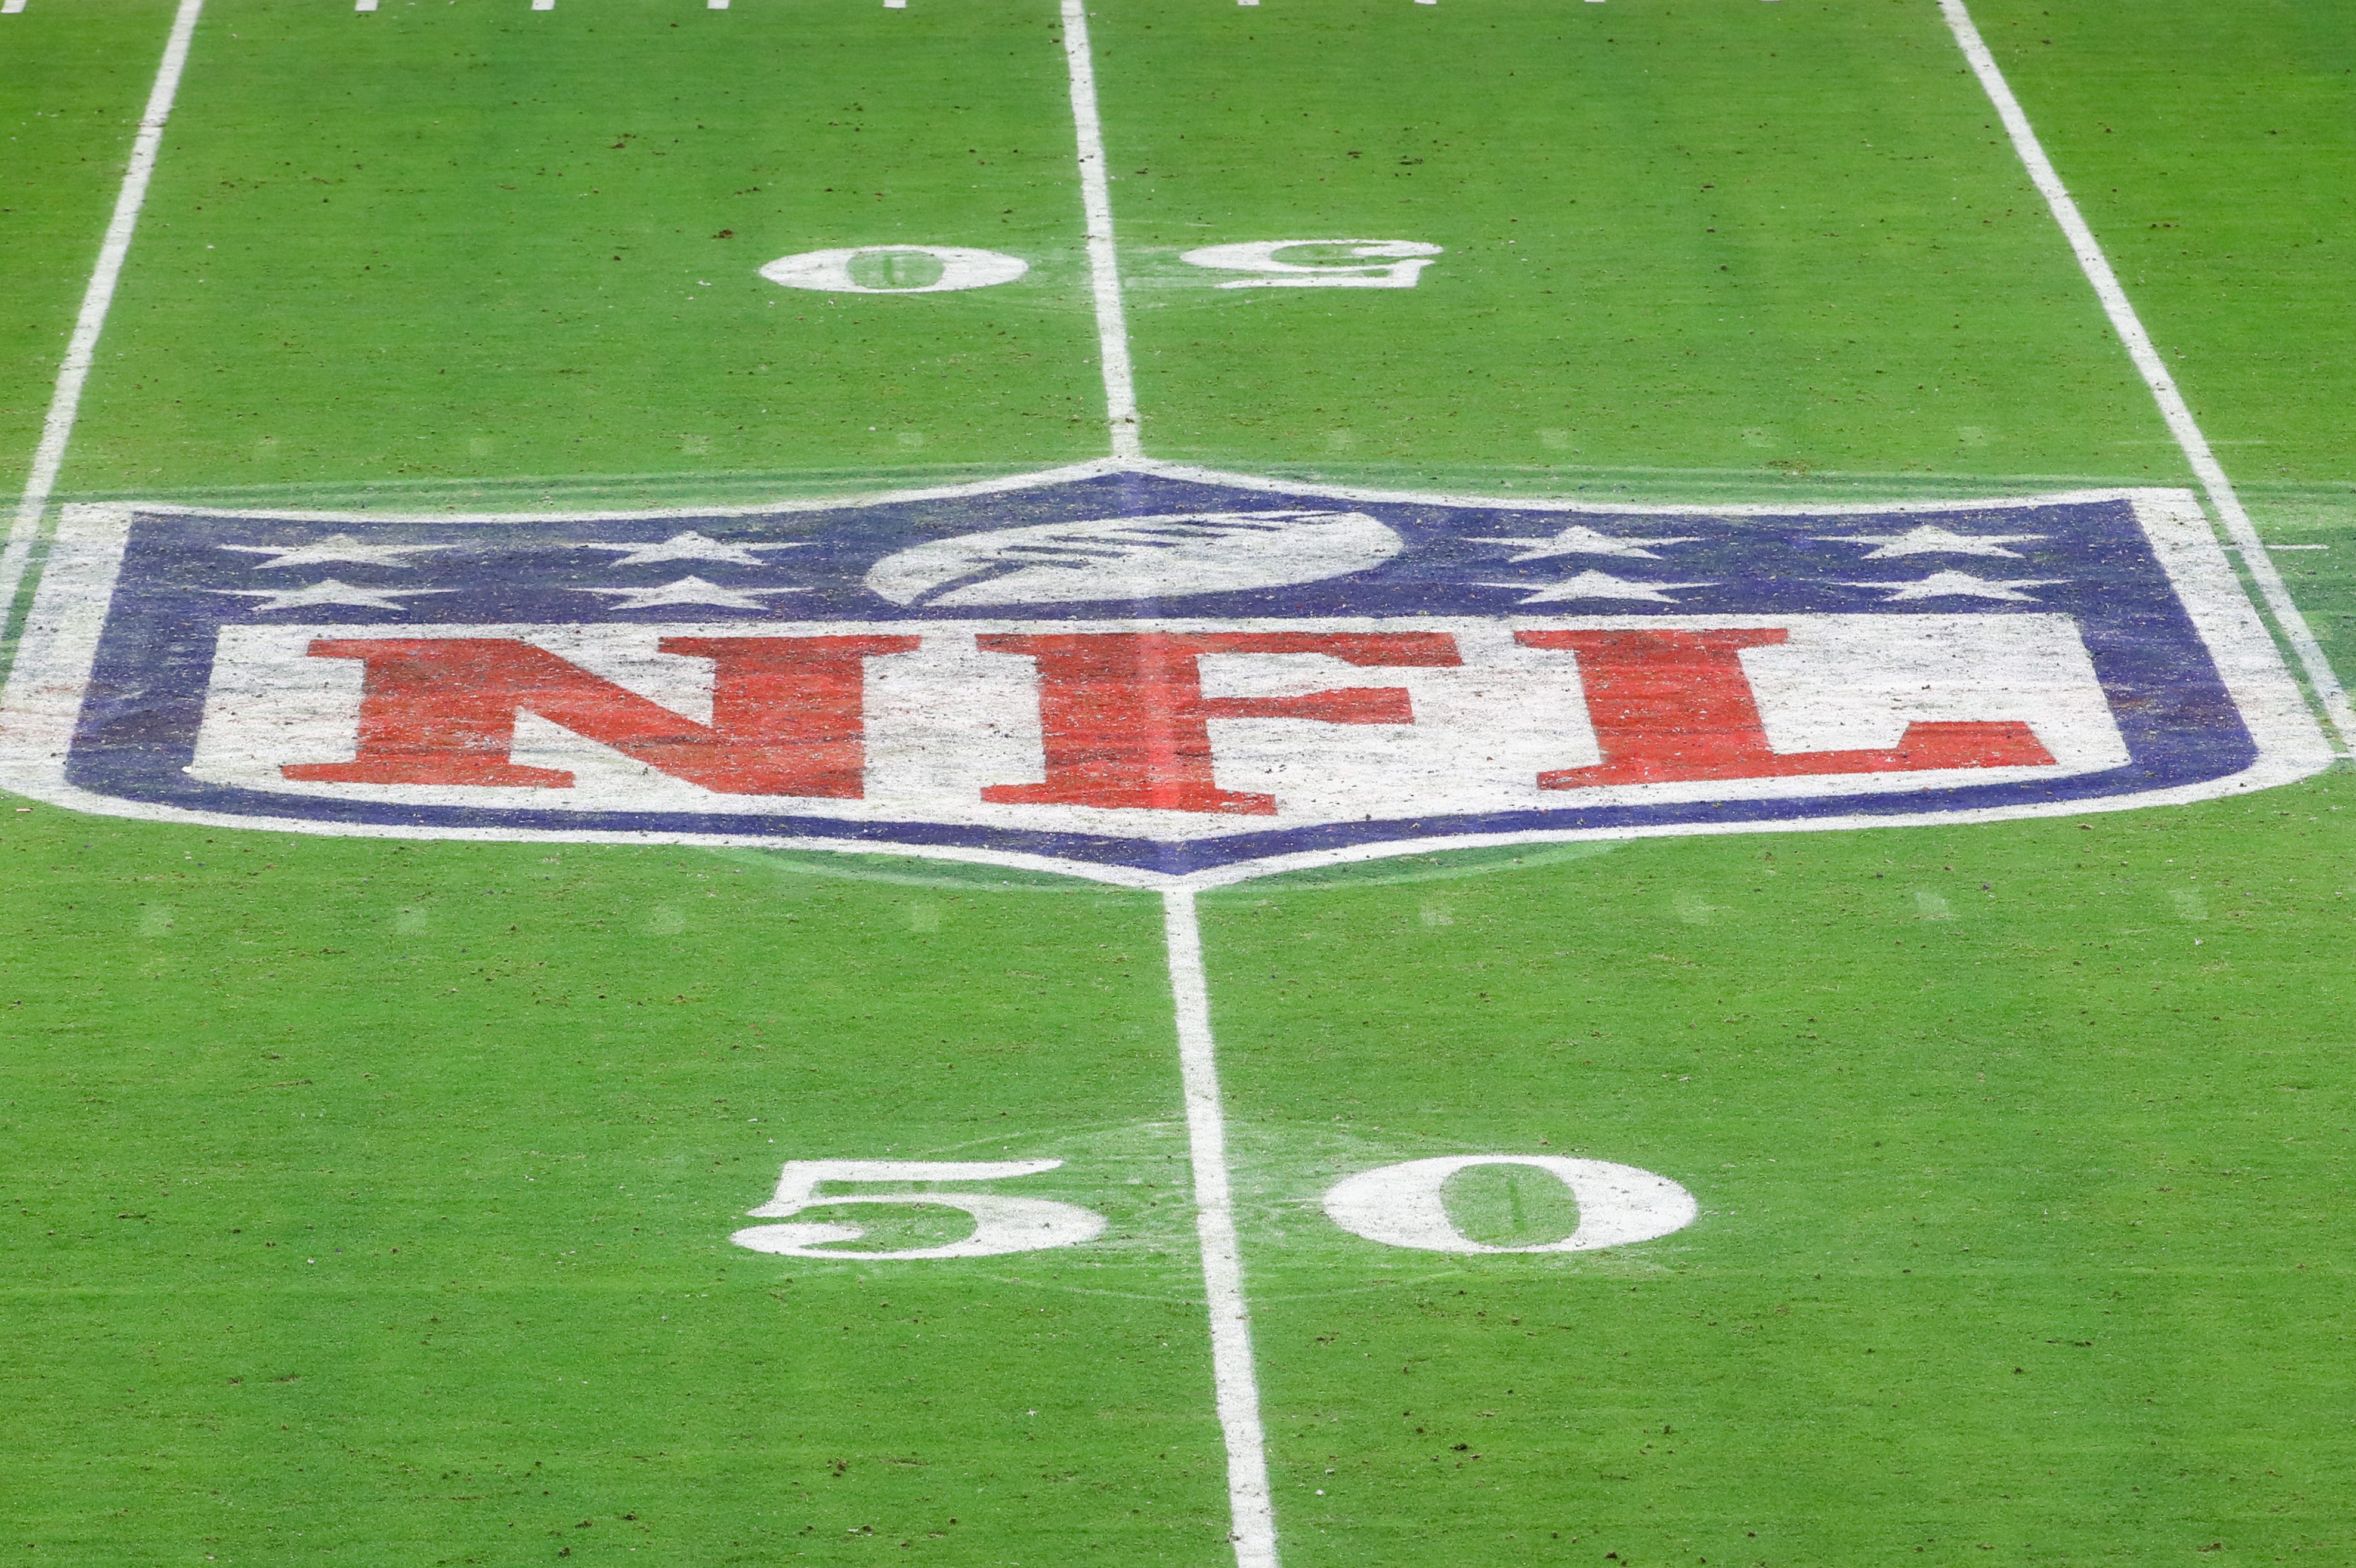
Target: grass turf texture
[[370, 1201], [2020, 1242], [72, 82], [487, 248], [507, 358]]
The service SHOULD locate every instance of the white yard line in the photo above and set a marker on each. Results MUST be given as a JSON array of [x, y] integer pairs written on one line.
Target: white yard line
[[1236, 1385], [2172, 408], [1253, 1526], [65, 401], [1104, 260]]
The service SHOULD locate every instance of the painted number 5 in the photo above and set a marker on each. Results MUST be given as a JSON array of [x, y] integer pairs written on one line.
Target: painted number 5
[[1000, 1224], [1404, 1206], [1319, 264]]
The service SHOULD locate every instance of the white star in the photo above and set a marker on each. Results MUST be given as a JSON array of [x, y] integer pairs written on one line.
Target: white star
[[328, 592], [1598, 585], [690, 545], [334, 547], [1924, 539], [1960, 585], [1581, 539], [687, 591]]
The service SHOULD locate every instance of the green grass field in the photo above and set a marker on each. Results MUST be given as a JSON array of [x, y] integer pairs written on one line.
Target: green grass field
[[369, 1200]]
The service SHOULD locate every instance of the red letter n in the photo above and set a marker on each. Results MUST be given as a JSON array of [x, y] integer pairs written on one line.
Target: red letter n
[[1127, 723], [785, 713], [1670, 707]]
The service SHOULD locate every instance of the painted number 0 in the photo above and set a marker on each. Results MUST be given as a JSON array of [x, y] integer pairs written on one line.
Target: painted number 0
[[895, 269], [1405, 1205]]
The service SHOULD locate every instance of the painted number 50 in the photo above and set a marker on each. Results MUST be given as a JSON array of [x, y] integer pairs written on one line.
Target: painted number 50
[[1398, 1205]]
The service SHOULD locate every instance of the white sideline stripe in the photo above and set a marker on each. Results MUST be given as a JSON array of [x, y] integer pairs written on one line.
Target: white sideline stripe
[[1104, 260], [363, 5], [2172, 406], [65, 401], [544, 5], [1253, 1530], [10, 7]]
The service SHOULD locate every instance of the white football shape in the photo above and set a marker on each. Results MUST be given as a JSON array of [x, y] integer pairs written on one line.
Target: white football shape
[[1134, 557]]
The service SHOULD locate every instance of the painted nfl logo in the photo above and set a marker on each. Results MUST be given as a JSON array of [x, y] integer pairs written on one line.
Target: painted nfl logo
[[1143, 672]]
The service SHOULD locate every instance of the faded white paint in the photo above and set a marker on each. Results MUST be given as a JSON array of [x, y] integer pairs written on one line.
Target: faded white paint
[[1332, 264], [1135, 558], [951, 268], [1002, 1224], [1406, 1205]]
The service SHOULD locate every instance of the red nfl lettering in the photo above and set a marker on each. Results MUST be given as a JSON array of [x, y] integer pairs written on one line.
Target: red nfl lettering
[[786, 713], [1126, 722], [1166, 674], [1673, 706]]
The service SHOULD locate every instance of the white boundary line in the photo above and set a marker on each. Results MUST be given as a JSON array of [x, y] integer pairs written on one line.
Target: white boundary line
[[1253, 1530], [1104, 259], [65, 402], [2172, 406]]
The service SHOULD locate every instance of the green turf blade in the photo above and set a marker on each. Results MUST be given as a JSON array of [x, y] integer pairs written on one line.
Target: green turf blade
[[492, 256], [73, 80], [1766, 242], [372, 1200], [2214, 160], [2018, 1149]]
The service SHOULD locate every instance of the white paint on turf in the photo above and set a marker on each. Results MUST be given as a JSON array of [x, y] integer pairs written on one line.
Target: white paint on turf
[[2320, 675], [1406, 1206], [1236, 1385], [1361, 264], [46, 686], [65, 401], [1002, 1224], [954, 267], [10, 7], [1129, 559], [1104, 259]]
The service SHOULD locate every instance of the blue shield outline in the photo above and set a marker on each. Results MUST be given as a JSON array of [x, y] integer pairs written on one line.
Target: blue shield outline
[[108, 693]]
